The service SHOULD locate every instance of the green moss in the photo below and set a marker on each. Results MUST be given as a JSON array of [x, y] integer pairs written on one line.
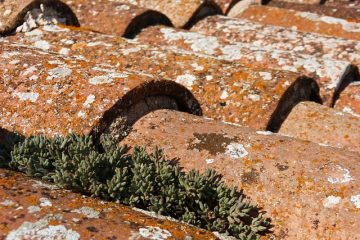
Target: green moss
[[142, 180]]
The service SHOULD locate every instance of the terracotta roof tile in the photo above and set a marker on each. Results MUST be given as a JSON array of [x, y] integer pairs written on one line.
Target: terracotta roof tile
[[182, 13], [308, 190], [303, 21], [339, 11], [44, 93], [257, 97], [35, 210], [320, 124], [349, 99], [116, 18], [273, 43]]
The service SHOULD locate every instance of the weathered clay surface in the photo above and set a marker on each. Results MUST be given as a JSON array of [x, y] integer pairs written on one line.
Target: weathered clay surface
[[349, 99], [44, 93], [32, 209], [345, 11], [323, 125], [241, 6], [257, 97], [309, 191], [302, 21], [331, 75], [226, 5], [182, 13], [280, 38], [13, 12], [114, 17]]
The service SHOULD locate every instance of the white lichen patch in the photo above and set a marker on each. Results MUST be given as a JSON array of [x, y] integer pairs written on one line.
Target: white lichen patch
[[209, 161], [265, 75], [14, 62], [154, 233], [186, 80], [331, 201], [236, 150], [59, 72], [89, 100], [264, 133], [7, 203], [197, 67], [64, 51], [33, 209], [356, 200], [45, 202], [26, 96], [88, 212], [40, 17], [350, 111], [199, 43], [254, 97], [98, 80], [42, 230], [341, 176], [42, 44], [224, 95], [99, 43]]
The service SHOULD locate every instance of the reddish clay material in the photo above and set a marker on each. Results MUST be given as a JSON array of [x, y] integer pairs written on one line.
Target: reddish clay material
[[30, 209], [323, 125], [241, 6], [280, 38], [257, 97], [340, 11], [226, 5], [309, 191], [44, 93], [182, 13], [115, 18], [331, 75], [349, 99], [13, 12], [302, 21]]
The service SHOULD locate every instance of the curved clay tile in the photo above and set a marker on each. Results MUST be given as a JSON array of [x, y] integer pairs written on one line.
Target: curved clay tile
[[302, 21], [349, 99], [228, 91], [309, 191], [14, 12], [339, 11], [30, 209], [44, 93], [331, 75], [182, 13], [279, 38], [323, 125], [115, 18]]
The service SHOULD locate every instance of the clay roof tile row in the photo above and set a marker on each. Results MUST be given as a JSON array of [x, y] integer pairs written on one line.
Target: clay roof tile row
[[57, 79]]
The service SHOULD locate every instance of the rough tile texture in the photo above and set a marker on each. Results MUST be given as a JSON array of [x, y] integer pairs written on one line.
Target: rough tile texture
[[14, 12], [331, 75], [311, 192], [226, 5], [272, 38], [111, 17], [349, 99], [182, 13], [323, 125], [31, 209], [257, 97], [302, 21], [340, 11], [43, 93]]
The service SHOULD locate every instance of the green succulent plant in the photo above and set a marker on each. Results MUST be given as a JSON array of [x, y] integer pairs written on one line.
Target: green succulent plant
[[142, 180]]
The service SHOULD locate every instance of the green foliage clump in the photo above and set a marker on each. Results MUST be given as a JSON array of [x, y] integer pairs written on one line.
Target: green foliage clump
[[143, 180]]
